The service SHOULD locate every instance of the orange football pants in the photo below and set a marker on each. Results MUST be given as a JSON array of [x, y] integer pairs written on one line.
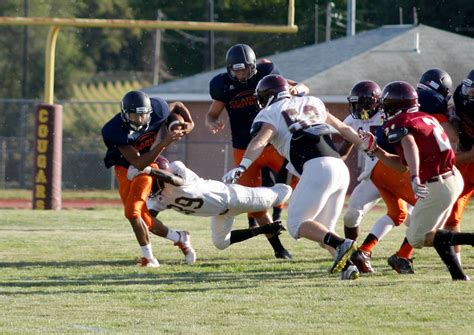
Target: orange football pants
[[252, 177], [395, 189], [467, 172], [134, 194]]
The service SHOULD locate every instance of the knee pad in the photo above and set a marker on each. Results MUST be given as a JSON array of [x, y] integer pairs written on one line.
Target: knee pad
[[353, 217], [221, 244]]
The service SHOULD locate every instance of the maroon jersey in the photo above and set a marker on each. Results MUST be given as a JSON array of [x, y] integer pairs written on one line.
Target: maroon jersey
[[436, 155]]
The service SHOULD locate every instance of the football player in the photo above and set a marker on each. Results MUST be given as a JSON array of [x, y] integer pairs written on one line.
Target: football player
[[364, 102], [234, 91], [300, 129], [464, 104], [221, 202], [131, 140], [423, 146]]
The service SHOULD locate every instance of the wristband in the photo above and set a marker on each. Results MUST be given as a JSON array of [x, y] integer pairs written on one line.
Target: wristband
[[245, 163], [172, 124], [413, 177]]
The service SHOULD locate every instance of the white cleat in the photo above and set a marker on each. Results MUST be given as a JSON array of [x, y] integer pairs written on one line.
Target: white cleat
[[350, 273], [184, 244], [343, 252], [148, 263]]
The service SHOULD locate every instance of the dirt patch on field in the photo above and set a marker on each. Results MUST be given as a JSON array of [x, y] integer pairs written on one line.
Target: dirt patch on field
[[66, 204]]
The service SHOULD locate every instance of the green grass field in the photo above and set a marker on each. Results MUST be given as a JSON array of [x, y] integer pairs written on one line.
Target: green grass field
[[72, 272]]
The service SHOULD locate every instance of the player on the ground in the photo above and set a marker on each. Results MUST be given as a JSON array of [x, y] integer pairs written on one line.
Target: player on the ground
[[132, 138], [300, 128], [234, 91], [423, 146], [211, 198]]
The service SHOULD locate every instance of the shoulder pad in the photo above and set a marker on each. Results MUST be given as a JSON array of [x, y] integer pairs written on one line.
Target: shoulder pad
[[160, 108], [395, 135]]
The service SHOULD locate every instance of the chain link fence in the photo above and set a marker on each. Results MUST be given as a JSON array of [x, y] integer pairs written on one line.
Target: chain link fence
[[82, 157]]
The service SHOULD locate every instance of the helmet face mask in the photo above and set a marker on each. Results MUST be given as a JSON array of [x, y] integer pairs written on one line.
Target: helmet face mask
[[467, 89], [398, 97], [270, 89], [136, 110], [364, 99], [241, 63]]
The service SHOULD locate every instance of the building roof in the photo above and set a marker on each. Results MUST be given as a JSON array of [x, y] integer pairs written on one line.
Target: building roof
[[330, 69]]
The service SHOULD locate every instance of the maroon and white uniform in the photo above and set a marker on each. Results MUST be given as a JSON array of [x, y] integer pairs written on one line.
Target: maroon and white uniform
[[436, 171]]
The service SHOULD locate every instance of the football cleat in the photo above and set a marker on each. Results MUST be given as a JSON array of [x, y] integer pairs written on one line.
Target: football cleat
[[283, 254], [274, 228], [362, 259], [350, 272], [401, 265], [184, 244], [148, 263], [343, 252]]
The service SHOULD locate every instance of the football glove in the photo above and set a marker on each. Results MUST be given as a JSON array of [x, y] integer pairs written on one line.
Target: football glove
[[420, 190], [369, 142], [233, 175]]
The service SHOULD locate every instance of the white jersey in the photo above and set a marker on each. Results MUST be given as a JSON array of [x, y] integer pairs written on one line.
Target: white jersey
[[199, 197], [366, 163], [306, 108]]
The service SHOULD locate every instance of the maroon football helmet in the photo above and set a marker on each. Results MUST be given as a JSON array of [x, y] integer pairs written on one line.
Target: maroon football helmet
[[271, 88], [163, 162], [364, 99], [398, 97]]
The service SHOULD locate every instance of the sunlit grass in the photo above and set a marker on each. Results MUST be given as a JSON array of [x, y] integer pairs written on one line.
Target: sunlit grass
[[72, 272]]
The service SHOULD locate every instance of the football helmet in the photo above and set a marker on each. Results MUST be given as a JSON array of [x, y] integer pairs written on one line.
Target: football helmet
[[163, 164], [240, 57], [364, 99], [136, 110], [270, 89], [467, 88], [398, 97], [437, 80]]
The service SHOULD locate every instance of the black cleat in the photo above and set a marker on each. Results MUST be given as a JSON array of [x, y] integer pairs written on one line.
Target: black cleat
[[283, 254], [275, 228], [403, 266], [362, 259]]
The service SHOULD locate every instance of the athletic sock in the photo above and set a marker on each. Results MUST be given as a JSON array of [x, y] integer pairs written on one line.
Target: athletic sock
[[147, 251], [462, 238], [276, 215], [369, 243], [406, 250], [443, 245], [173, 235], [240, 235], [252, 222], [276, 243], [333, 240]]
